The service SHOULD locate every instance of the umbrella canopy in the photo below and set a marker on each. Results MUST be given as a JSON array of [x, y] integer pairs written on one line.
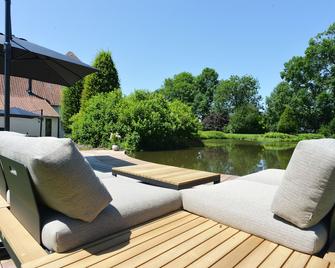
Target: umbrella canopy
[[32, 61], [21, 58]]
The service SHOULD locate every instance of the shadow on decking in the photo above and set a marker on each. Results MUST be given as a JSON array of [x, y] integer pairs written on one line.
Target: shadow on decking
[[105, 163]]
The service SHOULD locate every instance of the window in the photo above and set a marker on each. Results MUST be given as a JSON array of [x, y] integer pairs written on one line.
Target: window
[[48, 127]]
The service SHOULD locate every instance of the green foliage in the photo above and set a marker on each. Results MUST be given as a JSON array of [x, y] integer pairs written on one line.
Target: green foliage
[[195, 91], [181, 87], [143, 120], [70, 103], [329, 129], [309, 136], [246, 119], [276, 104], [308, 87], [271, 137], [105, 80], [287, 122], [206, 84], [159, 124], [236, 92], [96, 121], [278, 135]]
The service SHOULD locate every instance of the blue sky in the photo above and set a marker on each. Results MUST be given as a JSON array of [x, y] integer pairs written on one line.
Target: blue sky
[[154, 39]]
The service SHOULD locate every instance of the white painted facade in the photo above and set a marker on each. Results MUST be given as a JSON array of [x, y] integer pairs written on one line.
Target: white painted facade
[[31, 126]]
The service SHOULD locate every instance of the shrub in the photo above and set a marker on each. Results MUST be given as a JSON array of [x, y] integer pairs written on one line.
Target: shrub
[[287, 122], [278, 135], [94, 124], [212, 134], [328, 130], [246, 119], [144, 120], [158, 123], [325, 130], [309, 136], [215, 121]]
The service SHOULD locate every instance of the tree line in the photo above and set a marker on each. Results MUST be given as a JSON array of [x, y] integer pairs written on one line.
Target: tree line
[[304, 101]]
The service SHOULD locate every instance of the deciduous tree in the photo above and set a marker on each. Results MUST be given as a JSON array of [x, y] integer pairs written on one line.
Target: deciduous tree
[[235, 92]]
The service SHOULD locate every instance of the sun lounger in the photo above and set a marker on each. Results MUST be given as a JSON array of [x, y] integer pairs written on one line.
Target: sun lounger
[[146, 225]]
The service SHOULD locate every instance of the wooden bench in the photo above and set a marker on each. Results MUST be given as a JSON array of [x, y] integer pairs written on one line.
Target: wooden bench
[[167, 176]]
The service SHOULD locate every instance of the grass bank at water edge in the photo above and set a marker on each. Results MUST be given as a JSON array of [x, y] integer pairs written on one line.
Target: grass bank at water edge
[[270, 136]]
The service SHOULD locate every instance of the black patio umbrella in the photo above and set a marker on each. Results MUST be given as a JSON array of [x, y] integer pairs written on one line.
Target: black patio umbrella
[[18, 57]]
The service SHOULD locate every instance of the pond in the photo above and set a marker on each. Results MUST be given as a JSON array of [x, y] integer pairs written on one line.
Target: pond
[[228, 156]]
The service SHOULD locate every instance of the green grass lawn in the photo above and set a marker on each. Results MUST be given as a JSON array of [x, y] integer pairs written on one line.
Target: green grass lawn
[[270, 136]]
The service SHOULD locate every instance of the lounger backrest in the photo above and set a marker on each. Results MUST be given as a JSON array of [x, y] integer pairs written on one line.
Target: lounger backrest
[[23, 201], [3, 184]]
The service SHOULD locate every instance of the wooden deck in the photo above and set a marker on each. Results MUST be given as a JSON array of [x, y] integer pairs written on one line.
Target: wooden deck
[[3, 203], [167, 176], [181, 239]]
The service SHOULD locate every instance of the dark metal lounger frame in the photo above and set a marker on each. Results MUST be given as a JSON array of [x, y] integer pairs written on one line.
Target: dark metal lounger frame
[[24, 205]]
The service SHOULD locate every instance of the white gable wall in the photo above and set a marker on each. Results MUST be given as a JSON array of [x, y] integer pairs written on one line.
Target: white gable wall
[[30, 126]]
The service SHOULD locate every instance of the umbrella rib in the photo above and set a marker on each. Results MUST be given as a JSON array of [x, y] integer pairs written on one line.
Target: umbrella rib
[[55, 71], [58, 63], [20, 45]]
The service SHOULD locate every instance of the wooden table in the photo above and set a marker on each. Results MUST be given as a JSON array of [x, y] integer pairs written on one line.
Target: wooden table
[[167, 176]]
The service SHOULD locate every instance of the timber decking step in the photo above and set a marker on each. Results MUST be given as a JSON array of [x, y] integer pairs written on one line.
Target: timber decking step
[[178, 240]]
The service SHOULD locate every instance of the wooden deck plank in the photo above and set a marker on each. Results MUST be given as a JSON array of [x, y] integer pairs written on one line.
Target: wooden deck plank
[[257, 256], [202, 249], [20, 241], [277, 258], [315, 262], [165, 246], [158, 226], [297, 260], [7, 264], [141, 168], [183, 248], [330, 255], [129, 250], [239, 253], [220, 251], [179, 240], [164, 175], [3, 203], [173, 174]]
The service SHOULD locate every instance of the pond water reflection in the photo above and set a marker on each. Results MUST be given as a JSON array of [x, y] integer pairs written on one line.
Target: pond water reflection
[[236, 157]]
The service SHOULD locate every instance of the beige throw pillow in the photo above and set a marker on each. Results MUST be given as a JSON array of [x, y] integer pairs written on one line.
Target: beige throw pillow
[[62, 177], [307, 192]]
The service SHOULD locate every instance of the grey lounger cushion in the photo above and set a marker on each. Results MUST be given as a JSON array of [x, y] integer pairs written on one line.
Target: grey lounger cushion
[[268, 176], [307, 192], [247, 206], [62, 177], [133, 203], [11, 133]]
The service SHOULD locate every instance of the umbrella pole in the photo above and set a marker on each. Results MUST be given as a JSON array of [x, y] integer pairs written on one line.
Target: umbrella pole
[[8, 52]]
